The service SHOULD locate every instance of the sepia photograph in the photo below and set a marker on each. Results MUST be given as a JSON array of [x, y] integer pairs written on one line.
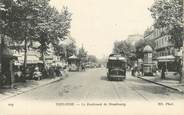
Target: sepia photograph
[[91, 57]]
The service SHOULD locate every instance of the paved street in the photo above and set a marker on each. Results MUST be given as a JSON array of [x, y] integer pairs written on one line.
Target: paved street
[[93, 85]]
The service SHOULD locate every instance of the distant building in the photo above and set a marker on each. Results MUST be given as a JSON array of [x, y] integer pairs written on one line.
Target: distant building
[[132, 39], [149, 34]]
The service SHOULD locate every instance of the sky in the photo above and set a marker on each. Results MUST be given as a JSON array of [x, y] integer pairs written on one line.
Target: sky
[[98, 23]]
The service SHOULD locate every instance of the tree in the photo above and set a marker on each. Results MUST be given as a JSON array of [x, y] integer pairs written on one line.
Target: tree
[[124, 48], [60, 51], [19, 21], [139, 45], [169, 14], [82, 54], [52, 28], [71, 49], [33, 20], [92, 58]]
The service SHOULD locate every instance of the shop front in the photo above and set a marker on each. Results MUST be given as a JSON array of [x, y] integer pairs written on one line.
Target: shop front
[[32, 62], [168, 61]]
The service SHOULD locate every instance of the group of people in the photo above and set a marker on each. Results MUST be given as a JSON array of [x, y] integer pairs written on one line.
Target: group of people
[[56, 71], [161, 70], [137, 71], [37, 72]]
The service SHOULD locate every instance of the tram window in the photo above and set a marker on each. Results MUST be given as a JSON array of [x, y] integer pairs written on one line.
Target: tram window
[[116, 64]]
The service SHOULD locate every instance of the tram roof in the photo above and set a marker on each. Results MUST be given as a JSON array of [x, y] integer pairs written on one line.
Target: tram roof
[[117, 58]]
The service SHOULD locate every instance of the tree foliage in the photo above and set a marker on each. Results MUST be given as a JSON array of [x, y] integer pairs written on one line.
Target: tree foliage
[[34, 21], [92, 58], [71, 49], [124, 48], [169, 14], [139, 46], [82, 54]]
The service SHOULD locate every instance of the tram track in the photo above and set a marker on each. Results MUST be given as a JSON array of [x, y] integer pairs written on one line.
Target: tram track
[[115, 90], [136, 91], [118, 84]]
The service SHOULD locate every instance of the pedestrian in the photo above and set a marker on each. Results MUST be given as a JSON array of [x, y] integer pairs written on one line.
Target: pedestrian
[[141, 69], [163, 71], [83, 67], [132, 71], [179, 69]]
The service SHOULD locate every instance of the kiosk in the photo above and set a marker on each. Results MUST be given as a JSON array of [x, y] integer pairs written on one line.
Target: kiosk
[[147, 61]]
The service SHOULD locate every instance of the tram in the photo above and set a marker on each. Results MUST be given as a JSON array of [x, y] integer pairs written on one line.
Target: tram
[[116, 66]]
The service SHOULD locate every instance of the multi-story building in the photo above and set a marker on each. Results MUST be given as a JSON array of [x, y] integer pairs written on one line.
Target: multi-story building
[[164, 48]]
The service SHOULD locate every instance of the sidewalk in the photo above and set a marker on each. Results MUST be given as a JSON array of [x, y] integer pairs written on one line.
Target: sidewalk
[[19, 88], [171, 81]]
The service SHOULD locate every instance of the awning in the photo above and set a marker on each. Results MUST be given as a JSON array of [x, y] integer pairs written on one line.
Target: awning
[[169, 58], [73, 57], [18, 63], [31, 59]]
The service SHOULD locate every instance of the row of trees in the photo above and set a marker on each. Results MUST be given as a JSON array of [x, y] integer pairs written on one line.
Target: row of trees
[[85, 57], [33, 20]]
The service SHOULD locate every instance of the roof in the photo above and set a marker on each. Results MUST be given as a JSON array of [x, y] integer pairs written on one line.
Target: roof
[[166, 58], [147, 48], [117, 58]]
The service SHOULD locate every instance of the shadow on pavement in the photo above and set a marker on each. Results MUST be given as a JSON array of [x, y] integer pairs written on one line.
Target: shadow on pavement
[[155, 89], [115, 79], [104, 78]]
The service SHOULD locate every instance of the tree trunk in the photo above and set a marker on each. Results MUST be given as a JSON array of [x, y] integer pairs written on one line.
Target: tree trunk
[[43, 59], [25, 60], [45, 69], [1, 61], [182, 70], [44, 64]]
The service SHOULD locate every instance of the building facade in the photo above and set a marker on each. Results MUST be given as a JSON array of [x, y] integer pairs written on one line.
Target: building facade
[[164, 48]]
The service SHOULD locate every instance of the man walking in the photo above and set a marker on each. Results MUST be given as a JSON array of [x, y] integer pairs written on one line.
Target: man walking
[[163, 71]]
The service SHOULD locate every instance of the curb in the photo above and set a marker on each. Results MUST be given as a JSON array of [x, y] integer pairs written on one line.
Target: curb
[[169, 87], [21, 92]]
